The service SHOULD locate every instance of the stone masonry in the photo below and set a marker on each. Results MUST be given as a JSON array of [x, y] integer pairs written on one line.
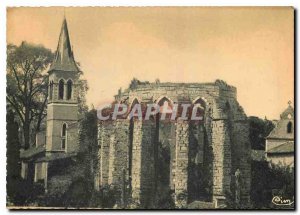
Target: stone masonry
[[226, 145]]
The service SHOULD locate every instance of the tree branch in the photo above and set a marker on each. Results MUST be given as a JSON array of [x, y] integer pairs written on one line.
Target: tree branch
[[16, 108], [17, 78]]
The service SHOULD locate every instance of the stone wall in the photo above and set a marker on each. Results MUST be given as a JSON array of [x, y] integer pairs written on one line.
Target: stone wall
[[57, 115], [181, 168], [118, 159], [226, 149], [178, 92], [105, 132]]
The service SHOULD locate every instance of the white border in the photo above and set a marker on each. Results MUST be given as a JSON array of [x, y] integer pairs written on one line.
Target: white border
[[149, 3]]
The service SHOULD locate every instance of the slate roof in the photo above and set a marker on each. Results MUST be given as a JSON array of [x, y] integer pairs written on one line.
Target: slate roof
[[32, 151], [55, 156], [287, 147], [64, 58]]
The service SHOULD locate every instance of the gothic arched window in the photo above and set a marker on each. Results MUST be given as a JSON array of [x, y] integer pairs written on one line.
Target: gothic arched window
[[63, 136], [289, 127], [51, 90], [61, 86], [69, 89]]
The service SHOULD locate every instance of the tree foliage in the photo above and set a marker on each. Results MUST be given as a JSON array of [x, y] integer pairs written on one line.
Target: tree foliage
[[27, 83], [259, 130], [83, 88], [12, 154], [88, 142], [269, 180]]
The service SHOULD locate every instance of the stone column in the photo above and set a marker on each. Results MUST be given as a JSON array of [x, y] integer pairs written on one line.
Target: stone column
[[54, 95], [119, 152], [181, 165], [172, 156], [143, 163], [111, 159], [136, 160], [65, 91], [105, 132], [98, 162], [221, 161]]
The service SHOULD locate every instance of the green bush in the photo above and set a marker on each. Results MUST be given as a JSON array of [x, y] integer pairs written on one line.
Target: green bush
[[269, 180], [26, 193]]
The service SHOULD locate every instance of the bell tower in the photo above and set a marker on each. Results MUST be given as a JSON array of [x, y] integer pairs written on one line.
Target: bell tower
[[62, 111]]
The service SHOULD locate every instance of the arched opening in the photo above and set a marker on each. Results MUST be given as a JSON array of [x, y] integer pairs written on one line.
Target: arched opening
[[164, 154], [289, 127], [69, 89], [63, 136], [51, 90], [61, 86], [198, 177]]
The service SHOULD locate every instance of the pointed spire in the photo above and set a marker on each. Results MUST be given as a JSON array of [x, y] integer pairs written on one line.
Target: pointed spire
[[64, 59]]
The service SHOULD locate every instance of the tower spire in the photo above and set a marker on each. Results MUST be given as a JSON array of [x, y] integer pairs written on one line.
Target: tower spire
[[64, 59]]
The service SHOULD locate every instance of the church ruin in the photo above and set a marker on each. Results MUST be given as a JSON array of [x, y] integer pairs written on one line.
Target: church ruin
[[182, 159]]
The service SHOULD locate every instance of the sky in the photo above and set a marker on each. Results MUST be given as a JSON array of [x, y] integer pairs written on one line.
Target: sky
[[250, 48]]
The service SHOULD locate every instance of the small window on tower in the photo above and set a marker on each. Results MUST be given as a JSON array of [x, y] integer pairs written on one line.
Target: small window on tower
[[69, 89], [63, 136], [51, 90], [61, 86], [289, 127]]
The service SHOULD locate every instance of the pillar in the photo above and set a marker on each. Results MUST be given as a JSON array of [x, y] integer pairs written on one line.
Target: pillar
[[143, 163], [111, 159], [105, 131], [181, 163], [65, 91], [221, 161], [118, 156]]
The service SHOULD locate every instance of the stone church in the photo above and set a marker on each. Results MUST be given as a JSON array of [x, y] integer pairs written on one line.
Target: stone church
[[280, 141], [59, 142], [207, 161]]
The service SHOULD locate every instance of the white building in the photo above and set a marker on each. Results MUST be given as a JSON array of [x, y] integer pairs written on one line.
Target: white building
[[280, 142]]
